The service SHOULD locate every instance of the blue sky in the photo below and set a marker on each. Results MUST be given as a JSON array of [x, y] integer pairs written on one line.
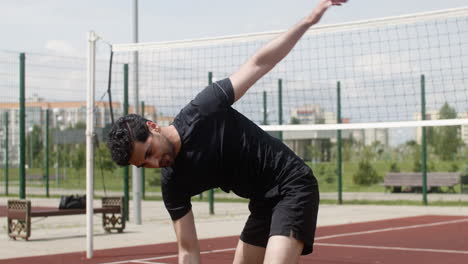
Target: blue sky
[[61, 25]]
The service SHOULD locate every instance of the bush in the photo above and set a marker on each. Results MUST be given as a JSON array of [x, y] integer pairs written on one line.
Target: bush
[[325, 173], [153, 180], [417, 166], [453, 167], [394, 167], [464, 171], [366, 174]]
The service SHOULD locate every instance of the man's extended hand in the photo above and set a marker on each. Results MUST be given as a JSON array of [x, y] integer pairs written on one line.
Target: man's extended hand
[[273, 52], [320, 9]]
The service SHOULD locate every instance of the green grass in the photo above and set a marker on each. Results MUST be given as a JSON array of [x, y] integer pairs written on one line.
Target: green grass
[[113, 180], [323, 201], [382, 167]]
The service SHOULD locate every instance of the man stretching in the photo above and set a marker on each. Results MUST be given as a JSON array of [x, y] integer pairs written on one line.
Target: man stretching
[[211, 145]]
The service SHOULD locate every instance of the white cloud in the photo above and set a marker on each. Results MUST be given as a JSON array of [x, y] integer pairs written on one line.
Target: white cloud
[[385, 65], [62, 47]]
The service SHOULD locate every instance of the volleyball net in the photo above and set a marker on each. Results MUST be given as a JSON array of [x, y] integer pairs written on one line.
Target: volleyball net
[[379, 82]]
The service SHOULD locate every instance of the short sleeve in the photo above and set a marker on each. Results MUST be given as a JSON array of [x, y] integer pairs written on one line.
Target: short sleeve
[[215, 97], [176, 200]]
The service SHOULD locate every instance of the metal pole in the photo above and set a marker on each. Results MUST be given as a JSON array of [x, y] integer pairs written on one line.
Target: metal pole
[[22, 84], [280, 106], [125, 169], [265, 114], [6, 153], [423, 140], [92, 38], [143, 180], [47, 152], [136, 172], [339, 146], [211, 192]]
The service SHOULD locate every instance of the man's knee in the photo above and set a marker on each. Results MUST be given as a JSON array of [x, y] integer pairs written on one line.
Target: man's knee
[[283, 249], [247, 253]]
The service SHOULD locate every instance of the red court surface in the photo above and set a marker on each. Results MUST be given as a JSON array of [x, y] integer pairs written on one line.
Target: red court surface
[[423, 239]]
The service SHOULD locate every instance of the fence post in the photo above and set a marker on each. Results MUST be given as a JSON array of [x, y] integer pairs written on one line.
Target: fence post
[[126, 169], [339, 145], [265, 108], [423, 140], [142, 168], [47, 151], [211, 192], [6, 153], [22, 116], [280, 107]]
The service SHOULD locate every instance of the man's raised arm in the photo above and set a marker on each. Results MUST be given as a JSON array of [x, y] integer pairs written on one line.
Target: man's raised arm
[[273, 52]]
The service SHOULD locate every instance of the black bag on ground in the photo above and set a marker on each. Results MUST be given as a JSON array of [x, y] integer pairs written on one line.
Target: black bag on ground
[[72, 202]]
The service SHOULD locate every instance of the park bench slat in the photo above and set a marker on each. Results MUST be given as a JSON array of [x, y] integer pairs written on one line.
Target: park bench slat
[[57, 212], [414, 179]]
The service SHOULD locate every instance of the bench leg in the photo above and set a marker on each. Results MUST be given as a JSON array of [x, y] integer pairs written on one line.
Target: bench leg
[[113, 222], [19, 219], [19, 228], [396, 189]]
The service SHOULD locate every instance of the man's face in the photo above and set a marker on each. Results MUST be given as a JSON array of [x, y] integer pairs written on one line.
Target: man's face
[[156, 152]]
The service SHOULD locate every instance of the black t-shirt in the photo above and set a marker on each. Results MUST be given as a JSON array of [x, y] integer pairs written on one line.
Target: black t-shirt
[[222, 148]]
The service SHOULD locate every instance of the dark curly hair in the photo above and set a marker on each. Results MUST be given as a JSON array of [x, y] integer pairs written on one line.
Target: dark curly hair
[[124, 132]]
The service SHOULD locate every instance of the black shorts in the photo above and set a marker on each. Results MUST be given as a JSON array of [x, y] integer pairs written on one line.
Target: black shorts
[[291, 212]]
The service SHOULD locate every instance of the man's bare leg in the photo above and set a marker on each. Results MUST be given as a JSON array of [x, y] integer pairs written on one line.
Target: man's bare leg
[[283, 249], [247, 253]]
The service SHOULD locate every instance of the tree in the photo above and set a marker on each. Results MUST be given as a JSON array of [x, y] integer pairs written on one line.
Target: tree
[[366, 174], [295, 121], [34, 145], [446, 138]]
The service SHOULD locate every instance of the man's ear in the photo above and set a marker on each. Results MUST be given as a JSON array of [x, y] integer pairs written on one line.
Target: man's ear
[[153, 127]]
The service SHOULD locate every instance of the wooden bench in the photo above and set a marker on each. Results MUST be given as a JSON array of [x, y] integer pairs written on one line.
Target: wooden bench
[[20, 212], [413, 180]]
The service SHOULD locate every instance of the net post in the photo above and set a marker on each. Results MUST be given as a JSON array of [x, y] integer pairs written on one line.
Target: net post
[[211, 192], [280, 107], [46, 172], [126, 169], [91, 86], [136, 172], [142, 168], [423, 140], [339, 145], [22, 116], [6, 152]]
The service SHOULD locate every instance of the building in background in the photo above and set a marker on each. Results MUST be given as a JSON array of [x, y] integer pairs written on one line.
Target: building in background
[[315, 145]]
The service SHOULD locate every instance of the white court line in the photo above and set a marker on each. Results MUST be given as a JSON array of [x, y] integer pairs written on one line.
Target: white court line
[[146, 260], [393, 229], [394, 248]]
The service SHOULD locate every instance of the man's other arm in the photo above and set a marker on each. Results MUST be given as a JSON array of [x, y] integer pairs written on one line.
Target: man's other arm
[[187, 241]]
